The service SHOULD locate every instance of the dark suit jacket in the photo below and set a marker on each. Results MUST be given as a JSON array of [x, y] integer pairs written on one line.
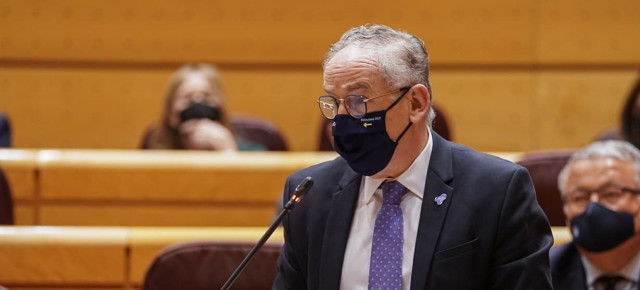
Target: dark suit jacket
[[489, 233], [567, 271]]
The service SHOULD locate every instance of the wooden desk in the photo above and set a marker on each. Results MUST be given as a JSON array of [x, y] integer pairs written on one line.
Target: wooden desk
[[104, 257], [107, 257], [148, 188], [151, 188], [43, 257]]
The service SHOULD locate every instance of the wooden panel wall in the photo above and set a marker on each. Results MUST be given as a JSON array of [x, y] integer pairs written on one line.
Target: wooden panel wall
[[248, 31], [497, 104], [84, 108], [91, 74], [574, 106], [588, 32]]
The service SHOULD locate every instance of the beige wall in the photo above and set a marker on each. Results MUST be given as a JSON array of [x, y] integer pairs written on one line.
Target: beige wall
[[511, 75]]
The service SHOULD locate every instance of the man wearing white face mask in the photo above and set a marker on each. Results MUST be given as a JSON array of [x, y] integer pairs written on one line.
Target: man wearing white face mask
[[601, 194]]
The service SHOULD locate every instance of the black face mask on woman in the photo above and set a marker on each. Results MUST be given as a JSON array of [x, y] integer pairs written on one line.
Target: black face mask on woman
[[599, 229], [200, 111], [364, 142]]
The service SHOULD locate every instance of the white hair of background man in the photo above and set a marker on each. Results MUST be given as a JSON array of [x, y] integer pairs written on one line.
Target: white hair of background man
[[619, 150], [401, 57]]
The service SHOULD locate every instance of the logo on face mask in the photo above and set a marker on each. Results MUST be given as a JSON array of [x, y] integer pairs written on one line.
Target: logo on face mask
[[370, 119]]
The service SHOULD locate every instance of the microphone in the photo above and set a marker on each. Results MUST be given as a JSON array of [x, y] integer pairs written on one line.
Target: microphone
[[300, 191]]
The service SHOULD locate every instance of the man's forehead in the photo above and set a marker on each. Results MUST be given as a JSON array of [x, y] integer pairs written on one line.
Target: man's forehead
[[353, 52], [352, 68], [349, 87], [602, 167], [594, 173], [601, 162]]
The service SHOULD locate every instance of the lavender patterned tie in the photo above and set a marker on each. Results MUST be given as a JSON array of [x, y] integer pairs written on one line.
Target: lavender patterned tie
[[385, 268]]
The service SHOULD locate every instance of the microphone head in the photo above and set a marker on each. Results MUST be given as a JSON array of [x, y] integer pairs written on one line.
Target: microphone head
[[304, 186]]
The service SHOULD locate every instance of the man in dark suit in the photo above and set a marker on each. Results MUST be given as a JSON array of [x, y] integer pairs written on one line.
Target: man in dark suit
[[601, 194], [402, 208]]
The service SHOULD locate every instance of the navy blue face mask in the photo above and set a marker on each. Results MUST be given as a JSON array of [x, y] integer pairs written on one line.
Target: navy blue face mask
[[599, 229], [364, 142]]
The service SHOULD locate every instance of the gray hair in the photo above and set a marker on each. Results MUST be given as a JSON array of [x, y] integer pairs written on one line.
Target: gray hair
[[401, 57], [620, 150]]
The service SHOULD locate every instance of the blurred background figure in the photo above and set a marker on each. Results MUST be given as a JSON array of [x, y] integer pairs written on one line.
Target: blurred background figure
[[601, 199], [5, 131], [6, 201], [631, 117], [195, 114], [629, 129]]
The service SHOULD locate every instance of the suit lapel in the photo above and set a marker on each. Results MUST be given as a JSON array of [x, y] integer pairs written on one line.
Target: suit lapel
[[337, 229], [432, 216], [575, 276]]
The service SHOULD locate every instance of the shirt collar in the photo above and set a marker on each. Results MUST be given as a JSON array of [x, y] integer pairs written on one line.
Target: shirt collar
[[631, 271], [413, 178]]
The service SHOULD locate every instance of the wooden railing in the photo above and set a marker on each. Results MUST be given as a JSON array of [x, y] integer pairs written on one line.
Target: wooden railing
[[106, 257], [148, 188], [151, 188]]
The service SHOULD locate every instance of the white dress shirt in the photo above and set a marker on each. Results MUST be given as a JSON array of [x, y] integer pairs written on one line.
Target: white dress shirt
[[355, 267], [631, 271]]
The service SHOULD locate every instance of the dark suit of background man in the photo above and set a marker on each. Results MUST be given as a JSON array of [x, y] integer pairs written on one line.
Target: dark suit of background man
[[600, 189], [466, 220]]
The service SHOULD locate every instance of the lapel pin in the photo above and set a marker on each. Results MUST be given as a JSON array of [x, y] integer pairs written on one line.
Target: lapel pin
[[440, 199]]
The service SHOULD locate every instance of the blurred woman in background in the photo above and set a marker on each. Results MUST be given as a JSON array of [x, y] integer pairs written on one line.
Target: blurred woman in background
[[194, 115], [629, 129]]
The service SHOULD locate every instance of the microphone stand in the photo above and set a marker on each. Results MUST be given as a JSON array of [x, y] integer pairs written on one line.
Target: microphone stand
[[301, 189]]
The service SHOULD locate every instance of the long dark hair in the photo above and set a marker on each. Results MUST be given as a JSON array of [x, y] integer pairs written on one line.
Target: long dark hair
[[630, 129]]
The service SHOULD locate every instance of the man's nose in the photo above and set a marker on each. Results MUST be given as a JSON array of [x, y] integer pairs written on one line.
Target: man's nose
[[594, 197], [342, 109]]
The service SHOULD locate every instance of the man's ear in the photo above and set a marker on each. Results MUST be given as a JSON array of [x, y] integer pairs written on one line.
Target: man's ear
[[636, 221], [420, 103]]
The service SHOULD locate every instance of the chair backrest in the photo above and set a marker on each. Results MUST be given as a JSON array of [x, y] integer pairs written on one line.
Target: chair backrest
[[208, 265], [544, 168], [440, 125], [260, 131], [251, 133], [6, 202]]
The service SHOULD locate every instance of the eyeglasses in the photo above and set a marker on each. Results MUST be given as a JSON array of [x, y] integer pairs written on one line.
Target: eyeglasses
[[356, 105], [609, 196]]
